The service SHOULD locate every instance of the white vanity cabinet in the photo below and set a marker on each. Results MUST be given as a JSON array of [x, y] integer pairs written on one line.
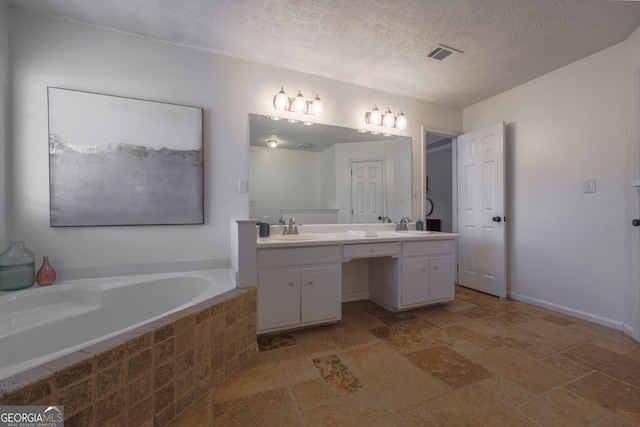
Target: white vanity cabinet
[[428, 272], [423, 274], [298, 287]]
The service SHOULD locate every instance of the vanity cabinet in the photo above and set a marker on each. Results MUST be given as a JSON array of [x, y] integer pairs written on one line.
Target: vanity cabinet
[[298, 287], [424, 274]]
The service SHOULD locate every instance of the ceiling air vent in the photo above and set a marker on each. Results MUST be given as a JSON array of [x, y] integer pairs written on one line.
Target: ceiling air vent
[[444, 53], [304, 146]]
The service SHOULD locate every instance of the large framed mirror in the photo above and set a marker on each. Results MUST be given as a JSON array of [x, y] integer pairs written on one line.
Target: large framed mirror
[[320, 173]]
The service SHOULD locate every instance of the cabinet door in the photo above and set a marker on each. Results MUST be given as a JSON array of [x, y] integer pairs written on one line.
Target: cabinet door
[[278, 298], [415, 281], [320, 294], [442, 277]]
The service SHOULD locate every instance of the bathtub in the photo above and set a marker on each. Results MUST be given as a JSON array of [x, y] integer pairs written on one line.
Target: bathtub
[[41, 324]]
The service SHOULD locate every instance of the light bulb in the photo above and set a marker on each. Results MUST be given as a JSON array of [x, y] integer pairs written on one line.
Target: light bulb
[[281, 101], [300, 104], [375, 117], [317, 108], [388, 120], [401, 120]]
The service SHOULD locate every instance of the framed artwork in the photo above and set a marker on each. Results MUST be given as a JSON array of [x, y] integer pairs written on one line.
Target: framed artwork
[[123, 161]]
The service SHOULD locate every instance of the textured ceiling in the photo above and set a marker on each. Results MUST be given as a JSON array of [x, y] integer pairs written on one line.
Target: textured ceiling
[[380, 44]]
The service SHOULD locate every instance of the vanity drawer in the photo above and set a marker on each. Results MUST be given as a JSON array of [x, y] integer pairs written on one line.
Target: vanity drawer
[[294, 256], [369, 250], [428, 248]]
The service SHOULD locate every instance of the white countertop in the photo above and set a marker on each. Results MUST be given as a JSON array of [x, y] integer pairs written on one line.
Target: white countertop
[[343, 237]]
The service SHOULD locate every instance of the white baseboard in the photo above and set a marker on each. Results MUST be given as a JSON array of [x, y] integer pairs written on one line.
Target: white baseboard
[[610, 323]]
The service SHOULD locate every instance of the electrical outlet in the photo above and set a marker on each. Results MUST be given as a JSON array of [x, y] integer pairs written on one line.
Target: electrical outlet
[[243, 186], [589, 186]]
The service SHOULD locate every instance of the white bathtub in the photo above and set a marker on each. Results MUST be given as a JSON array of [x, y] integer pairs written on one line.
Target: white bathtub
[[40, 324]]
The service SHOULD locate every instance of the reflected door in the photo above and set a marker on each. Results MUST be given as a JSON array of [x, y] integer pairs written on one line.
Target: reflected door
[[481, 210], [367, 191]]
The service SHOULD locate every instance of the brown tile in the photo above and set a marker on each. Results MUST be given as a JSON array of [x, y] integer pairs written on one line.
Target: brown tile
[[140, 414], [563, 408], [164, 351], [448, 366], [266, 408], [521, 369], [401, 316], [71, 368], [459, 305], [614, 364], [418, 416], [199, 414], [413, 335], [184, 362], [165, 416], [139, 342], [140, 388], [110, 379], [274, 342], [80, 419], [163, 375], [184, 382], [139, 363], [508, 392], [359, 409], [323, 340], [76, 396], [268, 370], [530, 343], [184, 342], [440, 316], [552, 331], [474, 406], [567, 365], [475, 338], [616, 396], [337, 376], [389, 377], [164, 398], [311, 393], [110, 407], [28, 394], [163, 333]]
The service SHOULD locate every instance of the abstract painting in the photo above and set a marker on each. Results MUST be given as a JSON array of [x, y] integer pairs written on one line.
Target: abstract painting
[[123, 161]]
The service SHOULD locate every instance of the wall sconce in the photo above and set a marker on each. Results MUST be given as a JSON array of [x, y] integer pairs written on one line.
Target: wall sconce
[[388, 120], [299, 104]]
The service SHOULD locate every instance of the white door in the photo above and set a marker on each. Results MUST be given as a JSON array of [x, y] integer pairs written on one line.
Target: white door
[[481, 211], [367, 191]]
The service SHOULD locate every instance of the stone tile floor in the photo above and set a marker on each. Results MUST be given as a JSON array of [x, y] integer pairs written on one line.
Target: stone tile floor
[[476, 361]]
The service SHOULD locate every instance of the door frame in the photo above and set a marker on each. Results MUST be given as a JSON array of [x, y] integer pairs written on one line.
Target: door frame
[[453, 135]]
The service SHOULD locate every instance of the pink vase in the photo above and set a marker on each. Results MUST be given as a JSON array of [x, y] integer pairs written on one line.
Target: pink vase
[[46, 275]]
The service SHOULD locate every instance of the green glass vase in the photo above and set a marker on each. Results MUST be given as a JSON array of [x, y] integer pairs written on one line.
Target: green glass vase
[[17, 267]]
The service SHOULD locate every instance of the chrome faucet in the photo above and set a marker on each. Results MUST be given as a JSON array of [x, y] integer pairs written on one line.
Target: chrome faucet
[[385, 219], [292, 228], [402, 225]]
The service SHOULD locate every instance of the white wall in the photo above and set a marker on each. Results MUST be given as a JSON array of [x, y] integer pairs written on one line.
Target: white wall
[[4, 102], [52, 52], [566, 247], [632, 246]]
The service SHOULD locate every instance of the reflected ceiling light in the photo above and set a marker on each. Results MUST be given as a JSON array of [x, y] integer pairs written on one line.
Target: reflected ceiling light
[[299, 104], [388, 120], [272, 143]]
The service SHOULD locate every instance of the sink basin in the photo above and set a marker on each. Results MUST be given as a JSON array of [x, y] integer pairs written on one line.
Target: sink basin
[[294, 236]]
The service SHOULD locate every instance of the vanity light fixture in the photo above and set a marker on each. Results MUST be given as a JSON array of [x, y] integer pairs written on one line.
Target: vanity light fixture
[[388, 120], [299, 104]]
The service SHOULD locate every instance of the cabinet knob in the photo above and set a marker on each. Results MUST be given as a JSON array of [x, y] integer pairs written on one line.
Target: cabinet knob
[[373, 250], [424, 269], [291, 284], [435, 267], [310, 282]]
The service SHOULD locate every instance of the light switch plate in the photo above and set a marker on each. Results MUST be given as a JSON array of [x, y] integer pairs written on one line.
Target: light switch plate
[[589, 185], [243, 186]]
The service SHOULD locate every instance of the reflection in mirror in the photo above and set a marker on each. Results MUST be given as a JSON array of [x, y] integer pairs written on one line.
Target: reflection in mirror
[[322, 174]]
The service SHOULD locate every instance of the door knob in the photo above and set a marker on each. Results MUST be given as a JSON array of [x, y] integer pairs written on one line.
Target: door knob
[[636, 222], [496, 219]]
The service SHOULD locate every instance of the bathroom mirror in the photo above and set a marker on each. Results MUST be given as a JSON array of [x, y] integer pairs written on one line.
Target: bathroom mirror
[[321, 174]]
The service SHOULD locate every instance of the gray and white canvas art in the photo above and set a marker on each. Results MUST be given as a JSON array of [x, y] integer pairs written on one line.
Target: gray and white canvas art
[[123, 161]]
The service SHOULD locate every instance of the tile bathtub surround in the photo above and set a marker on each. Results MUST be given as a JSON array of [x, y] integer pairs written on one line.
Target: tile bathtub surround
[[477, 361], [147, 376]]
